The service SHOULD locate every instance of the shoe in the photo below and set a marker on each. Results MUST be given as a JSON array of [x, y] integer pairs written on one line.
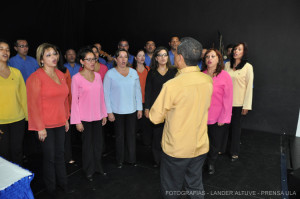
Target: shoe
[[102, 173], [119, 165], [133, 164], [89, 178], [71, 162], [234, 158], [211, 169]]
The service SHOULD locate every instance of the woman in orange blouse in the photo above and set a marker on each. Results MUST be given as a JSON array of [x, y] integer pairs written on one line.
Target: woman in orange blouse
[[48, 114], [68, 145], [139, 65]]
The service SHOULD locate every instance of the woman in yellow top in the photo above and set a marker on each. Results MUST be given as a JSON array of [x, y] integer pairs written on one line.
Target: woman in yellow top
[[13, 111], [241, 73]]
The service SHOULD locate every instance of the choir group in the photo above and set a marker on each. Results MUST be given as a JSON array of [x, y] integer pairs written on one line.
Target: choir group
[[93, 87]]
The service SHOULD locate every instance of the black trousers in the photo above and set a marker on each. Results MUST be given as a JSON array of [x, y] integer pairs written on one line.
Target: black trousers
[[144, 125], [156, 142], [124, 126], [217, 135], [177, 174], [235, 130], [92, 145], [11, 141], [68, 143], [54, 168]]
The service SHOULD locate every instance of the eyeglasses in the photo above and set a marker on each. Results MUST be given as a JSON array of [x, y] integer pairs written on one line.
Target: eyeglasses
[[123, 45], [162, 55], [91, 59], [23, 46]]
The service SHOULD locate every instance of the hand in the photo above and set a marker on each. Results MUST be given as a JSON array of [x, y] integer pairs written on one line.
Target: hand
[[109, 58], [147, 113], [220, 124], [244, 111], [67, 126], [42, 135], [111, 117], [139, 114], [104, 120], [80, 127]]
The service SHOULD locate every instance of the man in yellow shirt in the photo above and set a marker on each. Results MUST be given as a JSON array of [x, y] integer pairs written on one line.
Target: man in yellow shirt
[[183, 104]]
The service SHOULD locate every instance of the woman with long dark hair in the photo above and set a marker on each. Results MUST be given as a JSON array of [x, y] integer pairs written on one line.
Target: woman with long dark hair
[[65, 71], [161, 71], [241, 72], [219, 113], [140, 66]]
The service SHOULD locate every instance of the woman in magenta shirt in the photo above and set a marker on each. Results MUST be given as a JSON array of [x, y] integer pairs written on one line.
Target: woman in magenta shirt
[[88, 112], [219, 113]]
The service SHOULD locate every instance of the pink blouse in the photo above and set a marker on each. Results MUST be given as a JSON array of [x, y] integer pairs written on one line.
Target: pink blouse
[[221, 100], [87, 99]]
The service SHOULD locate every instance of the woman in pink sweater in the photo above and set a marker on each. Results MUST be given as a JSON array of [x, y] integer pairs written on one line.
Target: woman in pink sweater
[[219, 113], [88, 112]]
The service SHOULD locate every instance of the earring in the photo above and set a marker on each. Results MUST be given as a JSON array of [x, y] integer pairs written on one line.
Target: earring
[[82, 65], [42, 64]]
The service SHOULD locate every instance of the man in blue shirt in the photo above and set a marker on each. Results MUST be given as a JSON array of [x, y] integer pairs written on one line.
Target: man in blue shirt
[[101, 60], [26, 64], [149, 48], [71, 64], [202, 58], [123, 44], [174, 43], [228, 52]]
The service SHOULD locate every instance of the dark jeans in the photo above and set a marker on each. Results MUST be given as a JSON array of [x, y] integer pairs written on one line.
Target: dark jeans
[[217, 135], [156, 142], [124, 126], [92, 145], [177, 174], [235, 130], [11, 141], [53, 158]]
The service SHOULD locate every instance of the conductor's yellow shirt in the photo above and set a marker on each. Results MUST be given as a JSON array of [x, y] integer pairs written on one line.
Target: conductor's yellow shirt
[[183, 104]]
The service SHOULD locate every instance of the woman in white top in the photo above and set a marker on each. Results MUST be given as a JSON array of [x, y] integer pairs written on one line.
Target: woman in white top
[[241, 73]]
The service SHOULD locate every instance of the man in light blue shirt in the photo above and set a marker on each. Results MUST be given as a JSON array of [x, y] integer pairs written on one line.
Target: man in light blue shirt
[[71, 64], [149, 48], [26, 64], [174, 43], [123, 44]]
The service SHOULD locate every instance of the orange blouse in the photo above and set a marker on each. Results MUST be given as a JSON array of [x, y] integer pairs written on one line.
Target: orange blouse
[[68, 80], [143, 77], [48, 105]]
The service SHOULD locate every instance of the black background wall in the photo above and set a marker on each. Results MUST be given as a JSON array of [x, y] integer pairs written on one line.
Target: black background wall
[[270, 27]]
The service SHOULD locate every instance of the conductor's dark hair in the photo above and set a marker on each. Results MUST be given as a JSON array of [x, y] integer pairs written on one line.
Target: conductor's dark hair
[[191, 50]]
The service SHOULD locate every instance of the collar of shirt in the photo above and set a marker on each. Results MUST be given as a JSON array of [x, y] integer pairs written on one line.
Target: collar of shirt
[[19, 57], [189, 69]]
